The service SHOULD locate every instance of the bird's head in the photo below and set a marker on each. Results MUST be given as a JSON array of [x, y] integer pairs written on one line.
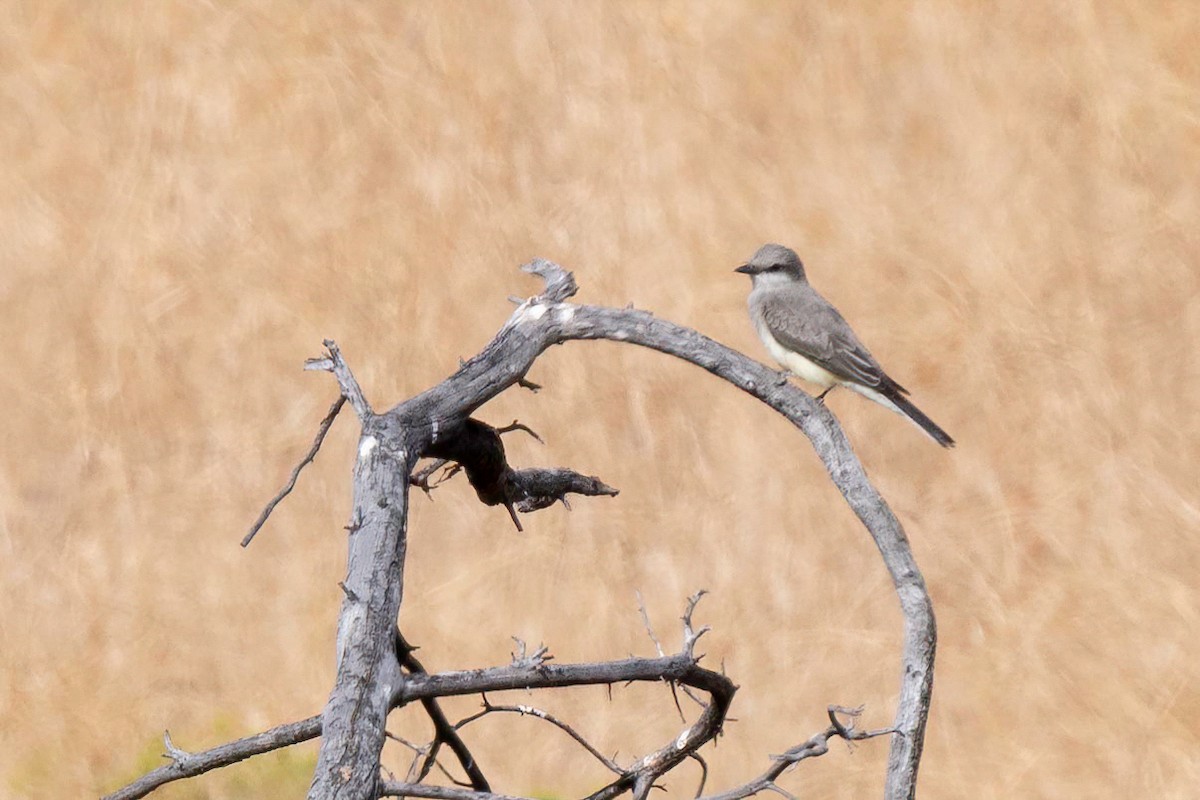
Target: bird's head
[[773, 262]]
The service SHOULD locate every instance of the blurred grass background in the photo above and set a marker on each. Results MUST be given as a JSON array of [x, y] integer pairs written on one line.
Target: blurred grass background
[[1002, 200]]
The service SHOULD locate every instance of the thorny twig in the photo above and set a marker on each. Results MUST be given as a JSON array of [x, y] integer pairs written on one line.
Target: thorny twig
[[444, 732], [816, 745], [530, 711]]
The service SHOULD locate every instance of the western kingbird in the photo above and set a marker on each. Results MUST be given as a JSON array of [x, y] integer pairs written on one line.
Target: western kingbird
[[810, 339]]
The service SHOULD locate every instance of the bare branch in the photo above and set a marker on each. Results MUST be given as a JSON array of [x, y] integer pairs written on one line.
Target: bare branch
[[333, 362], [646, 621], [415, 767], [530, 711], [530, 670], [779, 790], [443, 730], [816, 745], [416, 748], [421, 478], [512, 513], [641, 777], [188, 765], [395, 789], [678, 667], [690, 636], [519, 426], [308, 458], [180, 757], [703, 772]]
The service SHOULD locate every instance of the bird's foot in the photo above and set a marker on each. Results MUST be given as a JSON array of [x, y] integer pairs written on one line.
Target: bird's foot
[[821, 397], [783, 377]]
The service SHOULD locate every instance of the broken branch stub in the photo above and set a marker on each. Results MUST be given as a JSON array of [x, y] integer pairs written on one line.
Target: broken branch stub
[[479, 449]]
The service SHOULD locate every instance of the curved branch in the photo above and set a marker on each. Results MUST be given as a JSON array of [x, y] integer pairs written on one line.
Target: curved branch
[[543, 321], [530, 711], [847, 473]]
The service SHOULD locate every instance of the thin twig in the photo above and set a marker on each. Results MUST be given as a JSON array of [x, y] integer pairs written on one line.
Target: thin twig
[[519, 426], [419, 752], [291, 484], [659, 648], [646, 621], [524, 710], [416, 748], [816, 745], [641, 777], [394, 789], [512, 512], [421, 478], [703, 772], [443, 730]]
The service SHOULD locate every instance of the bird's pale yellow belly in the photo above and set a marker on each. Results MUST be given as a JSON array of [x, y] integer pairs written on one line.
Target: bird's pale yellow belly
[[795, 363], [805, 369]]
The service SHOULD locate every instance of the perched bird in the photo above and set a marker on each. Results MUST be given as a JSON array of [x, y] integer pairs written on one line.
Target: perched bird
[[810, 339]]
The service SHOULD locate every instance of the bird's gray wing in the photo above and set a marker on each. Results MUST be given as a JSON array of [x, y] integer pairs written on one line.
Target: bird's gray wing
[[804, 322]]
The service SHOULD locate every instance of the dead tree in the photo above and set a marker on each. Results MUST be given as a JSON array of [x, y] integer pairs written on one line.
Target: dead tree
[[376, 669]]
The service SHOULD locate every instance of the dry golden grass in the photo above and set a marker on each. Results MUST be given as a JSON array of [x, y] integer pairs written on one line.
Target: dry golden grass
[[1003, 202]]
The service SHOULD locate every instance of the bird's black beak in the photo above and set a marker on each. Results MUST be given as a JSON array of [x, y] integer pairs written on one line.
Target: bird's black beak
[[745, 269]]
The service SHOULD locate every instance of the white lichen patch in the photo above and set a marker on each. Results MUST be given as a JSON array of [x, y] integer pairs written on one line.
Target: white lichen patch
[[533, 312], [351, 619], [365, 447], [564, 312]]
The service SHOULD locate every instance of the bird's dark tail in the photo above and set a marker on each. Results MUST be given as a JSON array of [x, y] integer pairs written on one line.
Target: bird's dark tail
[[915, 414]]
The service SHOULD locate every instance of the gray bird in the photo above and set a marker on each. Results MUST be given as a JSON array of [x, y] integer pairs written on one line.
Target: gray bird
[[810, 339]]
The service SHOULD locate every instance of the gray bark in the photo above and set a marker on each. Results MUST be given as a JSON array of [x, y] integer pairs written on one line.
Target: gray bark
[[368, 673]]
